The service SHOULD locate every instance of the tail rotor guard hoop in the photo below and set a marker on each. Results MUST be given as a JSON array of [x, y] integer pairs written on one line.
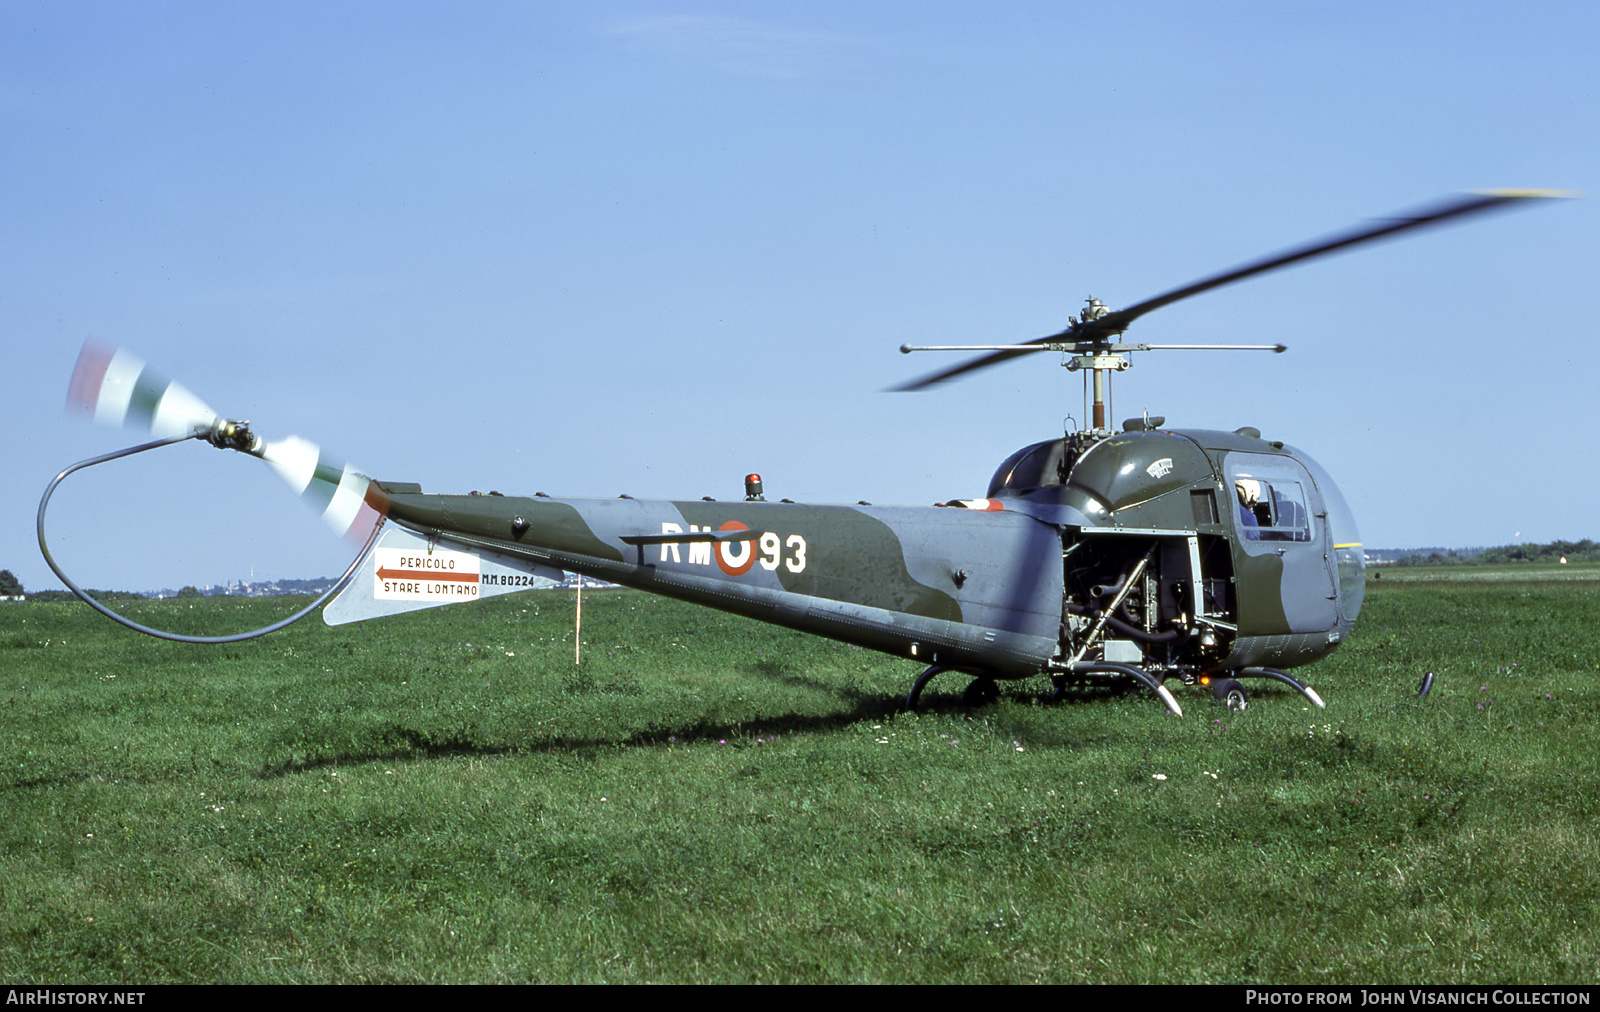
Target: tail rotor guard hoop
[[83, 595]]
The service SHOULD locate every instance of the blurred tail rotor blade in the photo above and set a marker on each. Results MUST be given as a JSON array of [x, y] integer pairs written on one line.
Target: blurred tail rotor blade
[[347, 500], [116, 387]]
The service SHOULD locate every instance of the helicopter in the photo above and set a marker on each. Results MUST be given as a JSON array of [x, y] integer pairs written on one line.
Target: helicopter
[[1124, 559]]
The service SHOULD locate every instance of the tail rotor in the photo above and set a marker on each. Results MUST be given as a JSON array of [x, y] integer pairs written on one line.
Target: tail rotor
[[116, 387]]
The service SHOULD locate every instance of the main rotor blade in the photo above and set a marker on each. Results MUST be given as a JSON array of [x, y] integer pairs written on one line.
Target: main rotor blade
[[1462, 206], [1115, 323], [971, 365]]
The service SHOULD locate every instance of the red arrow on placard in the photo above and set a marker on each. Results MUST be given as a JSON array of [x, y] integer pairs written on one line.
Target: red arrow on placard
[[426, 574]]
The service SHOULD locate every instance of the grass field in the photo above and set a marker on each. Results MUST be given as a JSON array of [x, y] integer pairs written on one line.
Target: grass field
[[443, 797], [1522, 572]]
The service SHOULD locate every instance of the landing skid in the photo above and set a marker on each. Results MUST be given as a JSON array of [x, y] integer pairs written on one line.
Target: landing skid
[[1115, 668], [1287, 679], [982, 689]]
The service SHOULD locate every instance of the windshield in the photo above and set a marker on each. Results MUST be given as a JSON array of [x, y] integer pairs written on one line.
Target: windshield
[[1346, 541]]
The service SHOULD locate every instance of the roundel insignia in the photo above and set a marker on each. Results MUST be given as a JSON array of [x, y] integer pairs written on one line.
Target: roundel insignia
[[735, 557], [1160, 468]]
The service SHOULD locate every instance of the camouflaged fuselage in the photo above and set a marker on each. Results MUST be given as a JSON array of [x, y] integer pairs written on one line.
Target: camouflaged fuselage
[[989, 588], [968, 587]]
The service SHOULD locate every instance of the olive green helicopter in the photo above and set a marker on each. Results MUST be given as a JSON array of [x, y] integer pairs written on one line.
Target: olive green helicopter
[[1130, 558]]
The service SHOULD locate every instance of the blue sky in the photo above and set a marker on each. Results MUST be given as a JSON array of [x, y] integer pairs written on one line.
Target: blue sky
[[599, 248]]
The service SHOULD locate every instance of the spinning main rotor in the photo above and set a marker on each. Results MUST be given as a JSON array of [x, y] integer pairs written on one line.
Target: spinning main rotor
[[1090, 338]]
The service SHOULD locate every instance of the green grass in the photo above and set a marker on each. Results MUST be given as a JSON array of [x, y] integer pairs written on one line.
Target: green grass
[[1499, 572], [444, 797]]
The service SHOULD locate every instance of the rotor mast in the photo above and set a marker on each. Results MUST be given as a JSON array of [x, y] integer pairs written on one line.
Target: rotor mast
[[1099, 355], [1101, 362]]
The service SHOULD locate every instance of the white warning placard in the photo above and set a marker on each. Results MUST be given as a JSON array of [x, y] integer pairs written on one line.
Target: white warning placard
[[405, 574], [408, 572]]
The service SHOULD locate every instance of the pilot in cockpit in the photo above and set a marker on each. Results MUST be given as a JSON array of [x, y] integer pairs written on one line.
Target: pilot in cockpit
[[1253, 511]]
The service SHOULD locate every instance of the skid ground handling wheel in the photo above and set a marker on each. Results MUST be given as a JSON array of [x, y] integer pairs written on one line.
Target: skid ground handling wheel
[[1230, 693]]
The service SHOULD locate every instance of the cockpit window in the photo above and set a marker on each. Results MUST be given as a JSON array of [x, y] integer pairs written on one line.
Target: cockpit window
[[1346, 542], [1030, 467], [1272, 510]]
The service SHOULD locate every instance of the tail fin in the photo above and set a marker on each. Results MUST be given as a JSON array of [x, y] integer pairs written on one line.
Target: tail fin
[[406, 572]]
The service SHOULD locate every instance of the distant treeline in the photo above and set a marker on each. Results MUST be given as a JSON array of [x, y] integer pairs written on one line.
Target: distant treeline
[[314, 586], [98, 595], [1572, 551], [271, 588]]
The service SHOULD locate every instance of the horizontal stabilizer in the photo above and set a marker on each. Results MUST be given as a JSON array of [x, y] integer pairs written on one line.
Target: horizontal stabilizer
[[719, 537], [405, 572]]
